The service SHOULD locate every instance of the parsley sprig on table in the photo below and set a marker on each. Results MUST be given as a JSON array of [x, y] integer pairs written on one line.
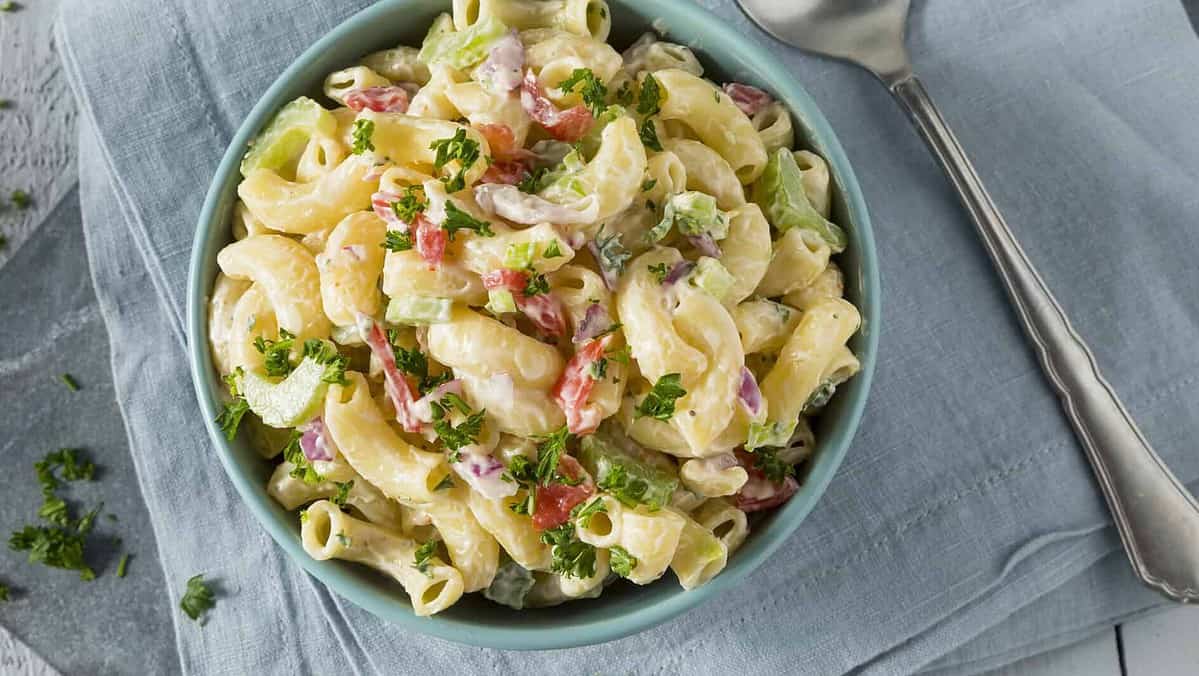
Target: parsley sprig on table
[[198, 598], [61, 543]]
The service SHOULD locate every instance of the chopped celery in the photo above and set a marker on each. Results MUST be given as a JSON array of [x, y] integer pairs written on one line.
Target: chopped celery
[[771, 434], [561, 184], [628, 478], [500, 301], [519, 255], [290, 402], [461, 49], [510, 586], [779, 191], [691, 213], [711, 277], [285, 137], [419, 310]]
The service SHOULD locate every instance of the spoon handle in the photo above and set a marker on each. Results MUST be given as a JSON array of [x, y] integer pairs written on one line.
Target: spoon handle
[[1157, 518]]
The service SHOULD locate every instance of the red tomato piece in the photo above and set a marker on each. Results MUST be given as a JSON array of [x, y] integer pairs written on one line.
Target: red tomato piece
[[397, 387], [502, 142], [555, 501], [543, 309], [510, 280], [508, 172], [378, 99], [430, 241], [381, 203], [565, 125], [574, 387]]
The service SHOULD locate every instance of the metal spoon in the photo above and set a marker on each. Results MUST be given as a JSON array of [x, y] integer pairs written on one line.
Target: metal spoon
[[1157, 518]]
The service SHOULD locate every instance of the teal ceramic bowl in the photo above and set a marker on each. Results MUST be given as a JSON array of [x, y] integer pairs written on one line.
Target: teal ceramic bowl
[[624, 608]]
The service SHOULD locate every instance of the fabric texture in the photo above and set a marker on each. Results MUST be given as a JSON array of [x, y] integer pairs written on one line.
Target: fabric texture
[[964, 529]]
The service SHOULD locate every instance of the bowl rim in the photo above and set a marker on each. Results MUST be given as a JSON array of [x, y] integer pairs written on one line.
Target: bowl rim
[[755, 59]]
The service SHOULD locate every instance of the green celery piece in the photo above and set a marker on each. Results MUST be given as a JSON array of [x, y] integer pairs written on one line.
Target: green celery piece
[[510, 586], [519, 255], [637, 481], [461, 49], [500, 301], [562, 185], [419, 310], [779, 192], [290, 402], [695, 213], [285, 137], [712, 277], [771, 434]]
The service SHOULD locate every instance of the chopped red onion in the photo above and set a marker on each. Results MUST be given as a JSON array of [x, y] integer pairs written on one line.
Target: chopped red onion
[[679, 271], [483, 473], [314, 441], [355, 251], [748, 98], [704, 243], [749, 394], [565, 125], [396, 386], [422, 409], [503, 69], [375, 172], [595, 321], [378, 99], [381, 203]]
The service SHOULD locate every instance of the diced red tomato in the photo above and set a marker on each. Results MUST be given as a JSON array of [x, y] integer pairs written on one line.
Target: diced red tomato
[[508, 172], [565, 125], [555, 501], [502, 142], [748, 98], [543, 309], [381, 203], [759, 492], [574, 387], [430, 241], [397, 387], [378, 99]]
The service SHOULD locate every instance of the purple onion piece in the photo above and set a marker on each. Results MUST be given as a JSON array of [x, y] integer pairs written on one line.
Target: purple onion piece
[[314, 441], [679, 271], [611, 276], [748, 393], [595, 322], [483, 473], [705, 245]]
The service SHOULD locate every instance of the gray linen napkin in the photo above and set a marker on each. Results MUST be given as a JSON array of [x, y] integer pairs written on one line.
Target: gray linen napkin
[[964, 501]]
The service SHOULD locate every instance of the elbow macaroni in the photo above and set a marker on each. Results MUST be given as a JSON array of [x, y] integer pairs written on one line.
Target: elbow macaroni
[[471, 352]]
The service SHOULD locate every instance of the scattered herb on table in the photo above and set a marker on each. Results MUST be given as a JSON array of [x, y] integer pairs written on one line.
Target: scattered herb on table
[[69, 381], [198, 598]]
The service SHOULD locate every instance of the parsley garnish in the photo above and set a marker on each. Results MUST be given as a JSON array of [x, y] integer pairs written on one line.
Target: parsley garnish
[[552, 250], [446, 482], [343, 539], [549, 451], [303, 470], [363, 130], [59, 545], [3, 592], [324, 353], [409, 204], [198, 598], [660, 270], [569, 555], [9, 6], [277, 353], [649, 135], [648, 184], [122, 565], [20, 199], [659, 403], [620, 354], [612, 254], [414, 362], [69, 382], [532, 180], [598, 369], [457, 219], [54, 546], [460, 148], [397, 241], [624, 95], [5, 103], [584, 513], [455, 437], [767, 460], [649, 99], [423, 557], [522, 472], [230, 417], [593, 90], [621, 562], [537, 284], [343, 492]]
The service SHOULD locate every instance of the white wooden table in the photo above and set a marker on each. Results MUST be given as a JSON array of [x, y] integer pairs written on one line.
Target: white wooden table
[[1166, 644]]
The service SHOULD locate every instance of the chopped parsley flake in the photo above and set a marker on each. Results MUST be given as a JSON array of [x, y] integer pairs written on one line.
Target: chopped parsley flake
[[276, 353], [397, 241], [343, 539], [230, 417], [3, 592], [532, 180], [621, 561], [537, 284], [446, 482], [649, 135], [410, 204], [457, 219], [303, 470], [423, 557], [620, 355], [767, 460], [363, 130], [552, 250], [549, 451], [198, 598], [624, 95], [69, 382], [456, 148], [649, 99], [584, 513], [660, 270], [123, 565], [343, 492], [569, 555], [598, 369], [612, 254], [455, 437], [659, 403], [593, 90], [648, 184]]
